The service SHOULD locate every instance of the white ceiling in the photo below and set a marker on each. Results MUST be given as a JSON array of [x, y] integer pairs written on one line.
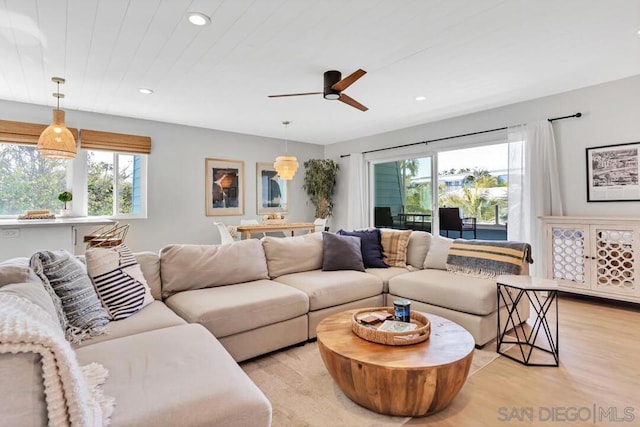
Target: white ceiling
[[462, 55]]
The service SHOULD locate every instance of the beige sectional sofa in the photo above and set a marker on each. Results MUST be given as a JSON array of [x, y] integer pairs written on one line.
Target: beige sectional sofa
[[163, 371], [174, 362]]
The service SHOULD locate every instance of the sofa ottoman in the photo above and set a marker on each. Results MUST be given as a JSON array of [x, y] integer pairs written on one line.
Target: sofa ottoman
[[467, 300], [177, 376]]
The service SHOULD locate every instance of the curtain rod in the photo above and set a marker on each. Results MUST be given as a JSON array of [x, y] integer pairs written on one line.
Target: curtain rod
[[456, 136]]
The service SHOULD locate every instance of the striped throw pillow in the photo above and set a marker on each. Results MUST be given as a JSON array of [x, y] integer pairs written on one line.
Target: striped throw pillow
[[394, 247], [65, 278], [118, 279]]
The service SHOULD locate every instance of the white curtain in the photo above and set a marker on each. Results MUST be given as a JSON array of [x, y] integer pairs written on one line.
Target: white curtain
[[534, 184], [356, 203]]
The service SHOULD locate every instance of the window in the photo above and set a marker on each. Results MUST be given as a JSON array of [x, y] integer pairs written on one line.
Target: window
[[29, 181], [118, 174], [108, 177], [475, 180]]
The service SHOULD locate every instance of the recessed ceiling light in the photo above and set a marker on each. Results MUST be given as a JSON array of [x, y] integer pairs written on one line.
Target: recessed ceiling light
[[420, 98], [199, 19], [145, 91]]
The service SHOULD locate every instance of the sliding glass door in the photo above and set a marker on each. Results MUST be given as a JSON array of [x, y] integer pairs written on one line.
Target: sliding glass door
[[403, 194], [471, 182]]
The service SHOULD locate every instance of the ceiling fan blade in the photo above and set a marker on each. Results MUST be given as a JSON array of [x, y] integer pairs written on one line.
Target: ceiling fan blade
[[349, 80], [352, 102], [295, 94]]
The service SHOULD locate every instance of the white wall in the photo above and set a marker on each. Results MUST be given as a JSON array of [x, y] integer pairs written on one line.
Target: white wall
[[611, 115], [176, 205]]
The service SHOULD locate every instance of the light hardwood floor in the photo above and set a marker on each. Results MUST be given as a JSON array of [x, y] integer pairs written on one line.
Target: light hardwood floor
[[598, 376]]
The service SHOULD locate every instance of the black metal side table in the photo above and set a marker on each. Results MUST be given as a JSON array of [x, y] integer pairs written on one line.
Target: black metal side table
[[510, 291]]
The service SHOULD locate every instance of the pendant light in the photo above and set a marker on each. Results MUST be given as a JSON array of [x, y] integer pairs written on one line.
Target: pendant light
[[56, 141], [286, 166]]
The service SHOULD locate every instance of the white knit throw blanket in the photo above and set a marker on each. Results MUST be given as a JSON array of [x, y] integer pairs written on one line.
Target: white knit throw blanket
[[72, 393]]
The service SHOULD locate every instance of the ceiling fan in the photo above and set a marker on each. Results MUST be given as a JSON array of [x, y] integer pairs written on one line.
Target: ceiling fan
[[334, 84]]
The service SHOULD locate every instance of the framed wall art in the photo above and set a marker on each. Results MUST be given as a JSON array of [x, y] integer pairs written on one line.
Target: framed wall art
[[271, 190], [612, 173], [224, 187]]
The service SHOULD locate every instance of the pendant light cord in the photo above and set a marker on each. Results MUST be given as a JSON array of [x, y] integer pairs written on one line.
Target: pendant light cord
[[286, 124]]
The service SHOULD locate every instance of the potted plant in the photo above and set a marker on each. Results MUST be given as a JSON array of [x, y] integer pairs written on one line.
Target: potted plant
[[319, 183], [65, 197]]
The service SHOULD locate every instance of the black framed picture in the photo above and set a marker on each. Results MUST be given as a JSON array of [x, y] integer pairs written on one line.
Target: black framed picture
[[612, 173]]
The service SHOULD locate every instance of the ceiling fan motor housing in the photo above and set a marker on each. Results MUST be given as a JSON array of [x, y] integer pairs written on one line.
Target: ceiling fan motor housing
[[330, 78]]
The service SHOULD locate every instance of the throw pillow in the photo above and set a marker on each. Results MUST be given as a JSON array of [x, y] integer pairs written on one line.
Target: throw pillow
[[417, 249], [394, 247], [66, 276], [119, 281], [188, 267], [438, 251], [291, 254], [370, 246], [341, 252]]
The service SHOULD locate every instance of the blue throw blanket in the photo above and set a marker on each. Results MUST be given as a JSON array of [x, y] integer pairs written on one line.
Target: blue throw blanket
[[488, 258]]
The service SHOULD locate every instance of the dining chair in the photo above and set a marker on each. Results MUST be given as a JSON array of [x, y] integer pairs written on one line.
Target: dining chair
[[320, 224], [382, 216], [450, 220], [225, 236]]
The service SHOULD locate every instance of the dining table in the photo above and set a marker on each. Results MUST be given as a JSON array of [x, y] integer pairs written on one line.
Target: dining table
[[286, 227]]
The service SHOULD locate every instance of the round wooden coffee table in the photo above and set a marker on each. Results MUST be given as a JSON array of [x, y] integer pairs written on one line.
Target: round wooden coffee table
[[412, 380]]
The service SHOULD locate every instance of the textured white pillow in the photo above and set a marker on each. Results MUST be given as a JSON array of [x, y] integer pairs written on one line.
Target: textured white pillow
[[438, 251], [118, 280]]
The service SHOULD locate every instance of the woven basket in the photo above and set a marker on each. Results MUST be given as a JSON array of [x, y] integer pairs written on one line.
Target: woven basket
[[420, 334]]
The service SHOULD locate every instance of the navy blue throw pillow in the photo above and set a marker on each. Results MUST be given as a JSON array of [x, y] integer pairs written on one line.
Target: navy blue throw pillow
[[370, 246]]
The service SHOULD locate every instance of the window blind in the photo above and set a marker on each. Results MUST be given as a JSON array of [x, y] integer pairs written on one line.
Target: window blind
[[24, 133], [109, 141]]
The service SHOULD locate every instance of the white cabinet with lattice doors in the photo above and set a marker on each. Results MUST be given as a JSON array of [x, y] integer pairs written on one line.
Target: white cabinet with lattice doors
[[593, 256]]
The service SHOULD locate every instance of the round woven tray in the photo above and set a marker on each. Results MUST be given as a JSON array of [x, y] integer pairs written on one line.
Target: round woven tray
[[420, 334]]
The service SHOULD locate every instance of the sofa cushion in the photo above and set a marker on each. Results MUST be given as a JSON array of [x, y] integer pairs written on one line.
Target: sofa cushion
[[417, 248], [154, 316], [68, 278], [437, 254], [371, 247], [454, 291], [330, 288], [385, 274], [228, 310], [118, 280], [341, 252], [188, 267], [150, 266], [293, 254], [178, 376], [394, 247]]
